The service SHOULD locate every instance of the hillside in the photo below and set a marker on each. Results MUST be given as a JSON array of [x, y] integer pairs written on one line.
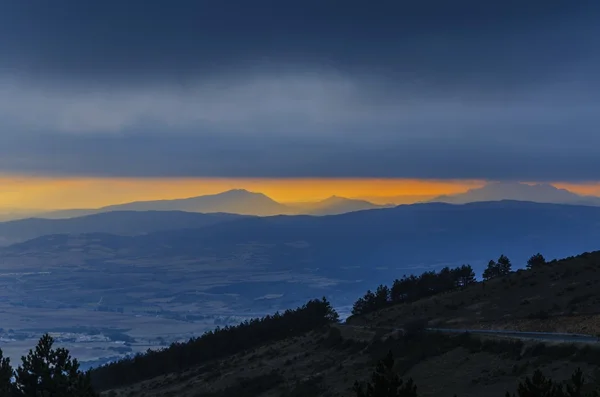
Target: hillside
[[558, 296], [561, 296]]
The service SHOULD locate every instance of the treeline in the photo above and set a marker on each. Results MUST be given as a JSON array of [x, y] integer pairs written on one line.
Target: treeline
[[412, 288], [215, 344], [501, 267], [45, 371], [385, 382]]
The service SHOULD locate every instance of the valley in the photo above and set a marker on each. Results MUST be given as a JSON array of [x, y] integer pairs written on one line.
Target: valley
[[159, 287], [125, 308]]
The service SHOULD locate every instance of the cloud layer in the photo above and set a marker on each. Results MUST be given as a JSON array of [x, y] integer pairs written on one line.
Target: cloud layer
[[434, 89]]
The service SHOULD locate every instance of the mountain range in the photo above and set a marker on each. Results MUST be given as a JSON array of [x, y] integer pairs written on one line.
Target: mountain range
[[236, 201], [390, 237], [243, 202]]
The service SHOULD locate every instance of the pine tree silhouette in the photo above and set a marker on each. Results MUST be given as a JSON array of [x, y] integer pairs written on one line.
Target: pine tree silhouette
[[52, 372], [385, 383]]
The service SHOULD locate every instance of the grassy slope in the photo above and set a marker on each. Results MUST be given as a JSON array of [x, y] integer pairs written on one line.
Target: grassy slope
[[567, 292], [321, 363]]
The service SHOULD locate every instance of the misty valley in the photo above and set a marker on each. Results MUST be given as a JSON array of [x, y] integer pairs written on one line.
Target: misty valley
[[104, 308]]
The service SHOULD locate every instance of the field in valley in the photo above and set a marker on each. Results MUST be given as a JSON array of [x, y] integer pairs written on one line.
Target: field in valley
[[97, 292]]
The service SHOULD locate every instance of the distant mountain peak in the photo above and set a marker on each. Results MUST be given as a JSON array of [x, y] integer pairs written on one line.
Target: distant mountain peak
[[519, 185], [241, 194], [336, 198], [338, 205], [237, 192], [509, 187], [519, 191]]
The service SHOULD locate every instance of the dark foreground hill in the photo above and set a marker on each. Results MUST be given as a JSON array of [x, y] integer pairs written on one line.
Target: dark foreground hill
[[328, 360]]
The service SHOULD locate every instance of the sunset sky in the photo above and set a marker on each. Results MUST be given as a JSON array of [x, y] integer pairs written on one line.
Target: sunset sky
[[50, 193], [18, 192], [102, 103]]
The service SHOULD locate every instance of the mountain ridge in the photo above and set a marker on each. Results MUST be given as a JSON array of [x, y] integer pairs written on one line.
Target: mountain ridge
[[244, 202], [335, 205], [127, 223], [383, 236], [235, 201]]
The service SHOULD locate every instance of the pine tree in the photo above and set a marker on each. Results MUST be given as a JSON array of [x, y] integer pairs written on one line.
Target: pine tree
[[382, 296], [359, 306], [385, 383], [504, 265], [577, 381], [330, 315], [536, 261], [491, 271], [7, 388], [52, 372], [540, 386], [467, 275]]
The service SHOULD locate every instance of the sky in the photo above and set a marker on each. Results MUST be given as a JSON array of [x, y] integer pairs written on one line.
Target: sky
[[160, 92]]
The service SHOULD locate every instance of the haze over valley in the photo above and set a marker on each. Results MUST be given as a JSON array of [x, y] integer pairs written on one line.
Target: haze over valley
[[135, 277]]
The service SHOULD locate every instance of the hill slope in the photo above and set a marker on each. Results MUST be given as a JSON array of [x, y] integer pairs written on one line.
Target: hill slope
[[561, 296], [326, 362]]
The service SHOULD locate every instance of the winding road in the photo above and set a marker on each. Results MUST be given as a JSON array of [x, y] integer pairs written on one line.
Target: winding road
[[539, 336]]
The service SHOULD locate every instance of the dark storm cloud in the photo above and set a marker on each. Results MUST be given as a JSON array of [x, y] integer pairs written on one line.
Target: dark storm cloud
[[113, 39], [435, 89]]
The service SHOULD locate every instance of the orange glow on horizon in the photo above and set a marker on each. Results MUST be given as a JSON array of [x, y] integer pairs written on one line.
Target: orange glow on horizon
[[19, 192], [586, 189], [45, 193]]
